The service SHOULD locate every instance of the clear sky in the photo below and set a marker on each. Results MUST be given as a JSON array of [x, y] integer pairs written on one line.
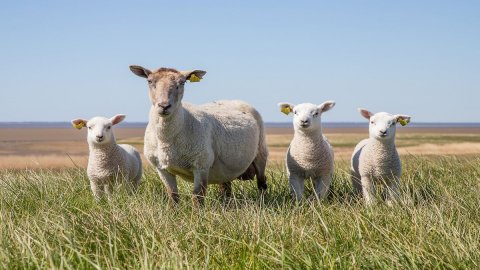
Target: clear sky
[[65, 59]]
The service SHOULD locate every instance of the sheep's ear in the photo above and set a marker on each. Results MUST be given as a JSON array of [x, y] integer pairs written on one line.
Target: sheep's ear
[[402, 119], [193, 75], [286, 108], [365, 113], [117, 119], [79, 123], [326, 106], [140, 71]]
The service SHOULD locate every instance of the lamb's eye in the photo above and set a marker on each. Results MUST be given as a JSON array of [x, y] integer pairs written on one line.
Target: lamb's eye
[[109, 127], [294, 112], [372, 122], [89, 127], [315, 114]]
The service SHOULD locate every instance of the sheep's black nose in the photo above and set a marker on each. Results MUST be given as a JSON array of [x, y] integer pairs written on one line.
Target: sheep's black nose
[[100, 137], [164, 106], [304, 121], [383, 132]]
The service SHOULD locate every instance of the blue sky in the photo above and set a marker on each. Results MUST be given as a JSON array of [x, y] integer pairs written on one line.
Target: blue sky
[[65, 59]]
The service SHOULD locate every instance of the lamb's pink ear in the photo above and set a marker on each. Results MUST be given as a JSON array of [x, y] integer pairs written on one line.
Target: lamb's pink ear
[[140, 71], [365, 113], [326, 106], [79, 123], [117, 119]]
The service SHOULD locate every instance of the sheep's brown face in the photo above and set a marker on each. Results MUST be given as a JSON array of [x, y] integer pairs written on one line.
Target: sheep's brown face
[[166, 87], [166, 91]]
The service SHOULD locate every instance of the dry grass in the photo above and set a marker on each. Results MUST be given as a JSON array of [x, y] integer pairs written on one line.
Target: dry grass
[[66, 148]]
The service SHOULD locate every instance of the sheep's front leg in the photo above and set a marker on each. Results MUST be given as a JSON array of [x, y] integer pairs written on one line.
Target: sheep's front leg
[[368, 190], [322, 185], [97, 190], [170, 183], [200, 180], [392, 192], [298, 186]]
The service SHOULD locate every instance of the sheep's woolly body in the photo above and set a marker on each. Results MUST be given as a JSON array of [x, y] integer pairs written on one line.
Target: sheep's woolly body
[[112, 162], [223, 138], [310, 155], [375, 159]]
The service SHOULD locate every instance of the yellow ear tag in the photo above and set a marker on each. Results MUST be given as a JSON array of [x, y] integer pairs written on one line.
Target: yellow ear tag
[[79, 125], [403, 122], [286, 110], [194, 78]]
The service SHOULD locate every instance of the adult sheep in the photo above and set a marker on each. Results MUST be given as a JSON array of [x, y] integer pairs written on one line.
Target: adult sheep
[[213, 143]]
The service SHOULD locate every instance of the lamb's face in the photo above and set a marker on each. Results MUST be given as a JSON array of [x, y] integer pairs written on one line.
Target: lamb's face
[[306, 116], [100, 131], [99, 128], [166, 87], [382, 125]]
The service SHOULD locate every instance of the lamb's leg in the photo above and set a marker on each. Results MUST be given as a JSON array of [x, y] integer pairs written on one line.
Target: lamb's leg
[[322, 185], [368, 190], [200, 178], [356, 183], [298, 186], [226, 189], [97, 190], [170, 183], [391, 192], [108, 188]]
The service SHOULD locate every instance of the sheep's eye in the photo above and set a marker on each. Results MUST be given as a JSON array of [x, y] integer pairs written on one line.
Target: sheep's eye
[[371, 122], [109, 127], [89, 127], [315, 114], [294, 112]]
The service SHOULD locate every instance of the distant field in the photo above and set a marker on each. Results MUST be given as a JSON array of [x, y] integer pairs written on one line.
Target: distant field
[[64, 147]]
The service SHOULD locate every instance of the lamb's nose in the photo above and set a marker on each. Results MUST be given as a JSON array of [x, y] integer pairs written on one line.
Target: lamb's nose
[[304, 121], [99, 137], [383, 132]]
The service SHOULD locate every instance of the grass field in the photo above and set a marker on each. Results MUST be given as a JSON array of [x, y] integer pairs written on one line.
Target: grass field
[[49, 219]]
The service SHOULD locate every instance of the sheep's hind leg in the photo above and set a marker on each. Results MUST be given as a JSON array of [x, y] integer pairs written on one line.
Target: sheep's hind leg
[[170, 183], [297, 185], [322, 185], [226, 189]]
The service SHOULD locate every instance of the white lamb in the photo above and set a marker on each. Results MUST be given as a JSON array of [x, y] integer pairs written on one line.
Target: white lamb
[[310, 155], [213, 143], [109, 162], [375, 160]]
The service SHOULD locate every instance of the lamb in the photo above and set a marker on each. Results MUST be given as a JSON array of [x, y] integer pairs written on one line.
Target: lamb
[[310, 155], [109, 162], [375, 160], [213, 143]]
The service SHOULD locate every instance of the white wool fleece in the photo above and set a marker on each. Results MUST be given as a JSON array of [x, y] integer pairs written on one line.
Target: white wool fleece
[[375, 160], [310, 155], [109, 162]]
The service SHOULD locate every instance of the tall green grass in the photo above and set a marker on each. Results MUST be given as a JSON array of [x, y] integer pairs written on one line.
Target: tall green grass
[[49, 219]]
